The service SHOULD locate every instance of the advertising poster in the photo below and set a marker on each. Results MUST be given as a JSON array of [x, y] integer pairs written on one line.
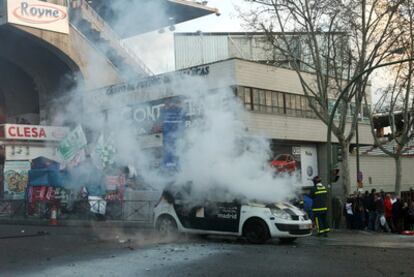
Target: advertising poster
[[147, 117], [38, 14], [286, 158], [309, 161], [16, 177], [301, 160]]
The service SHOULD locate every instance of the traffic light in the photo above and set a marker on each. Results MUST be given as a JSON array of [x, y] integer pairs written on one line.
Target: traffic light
[[335, 175], [336, 154], [339, 153]]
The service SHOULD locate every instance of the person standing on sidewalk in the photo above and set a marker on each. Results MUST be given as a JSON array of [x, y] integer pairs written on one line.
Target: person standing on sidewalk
[[319, 195], [388, 211], [380, 221], [372, 215]]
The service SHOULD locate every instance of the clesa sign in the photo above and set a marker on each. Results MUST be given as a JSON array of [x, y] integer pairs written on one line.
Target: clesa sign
[[32, 132], [38, 14]]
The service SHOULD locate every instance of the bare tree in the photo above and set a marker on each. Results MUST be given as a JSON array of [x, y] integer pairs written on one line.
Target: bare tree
[[397, 100], [340, 41]]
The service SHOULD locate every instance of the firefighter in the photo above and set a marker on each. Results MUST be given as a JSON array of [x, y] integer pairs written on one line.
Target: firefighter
[[319, 196]]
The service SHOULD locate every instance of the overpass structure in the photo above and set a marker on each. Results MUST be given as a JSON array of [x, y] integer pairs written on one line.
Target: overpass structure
[[38, 64]]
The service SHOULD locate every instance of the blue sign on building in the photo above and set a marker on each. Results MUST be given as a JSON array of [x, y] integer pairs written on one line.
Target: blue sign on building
[[174, 117]]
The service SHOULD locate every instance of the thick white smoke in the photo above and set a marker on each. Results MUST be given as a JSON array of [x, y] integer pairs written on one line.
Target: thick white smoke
[[216, 151]]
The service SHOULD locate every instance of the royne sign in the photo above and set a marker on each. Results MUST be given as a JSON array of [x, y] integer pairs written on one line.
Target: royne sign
[[38, 14], [33, 132]]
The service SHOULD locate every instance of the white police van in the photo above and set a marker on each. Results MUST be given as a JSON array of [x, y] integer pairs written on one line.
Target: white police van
[[256, 222]]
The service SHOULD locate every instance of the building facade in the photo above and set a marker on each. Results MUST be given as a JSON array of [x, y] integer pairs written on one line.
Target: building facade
[[52, 48], [277, 110]]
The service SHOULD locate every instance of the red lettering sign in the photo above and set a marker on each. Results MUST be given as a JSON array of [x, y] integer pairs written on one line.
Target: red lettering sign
[[12, 131], [42, 133], [33, 132], [26, 132]]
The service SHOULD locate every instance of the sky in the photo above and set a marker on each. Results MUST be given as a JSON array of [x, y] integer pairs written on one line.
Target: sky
[[157, 50]]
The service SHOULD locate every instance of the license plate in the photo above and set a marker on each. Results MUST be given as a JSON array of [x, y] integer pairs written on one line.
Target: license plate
[[304, 227]]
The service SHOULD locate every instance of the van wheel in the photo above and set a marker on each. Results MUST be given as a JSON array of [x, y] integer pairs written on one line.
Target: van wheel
[[287, 240], [167, 226], [256, 231]]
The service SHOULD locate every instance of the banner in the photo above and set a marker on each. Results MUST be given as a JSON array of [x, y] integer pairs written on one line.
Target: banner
[[104, 152], [16, 177], [173, 128], [72, 144], [38, 14]]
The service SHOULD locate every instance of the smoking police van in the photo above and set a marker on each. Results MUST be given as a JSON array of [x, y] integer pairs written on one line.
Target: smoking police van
[[257, 222]]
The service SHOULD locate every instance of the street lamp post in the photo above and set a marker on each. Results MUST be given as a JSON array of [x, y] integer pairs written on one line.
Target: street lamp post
[[331, 119], [358, 169]]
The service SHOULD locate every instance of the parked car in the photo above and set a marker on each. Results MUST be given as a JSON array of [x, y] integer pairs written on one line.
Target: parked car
[[257, 222], [284, 163]]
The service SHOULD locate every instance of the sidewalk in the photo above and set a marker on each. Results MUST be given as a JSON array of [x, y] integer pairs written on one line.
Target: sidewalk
[[345, 237]]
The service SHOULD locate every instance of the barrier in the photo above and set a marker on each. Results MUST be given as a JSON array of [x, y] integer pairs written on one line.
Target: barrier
[[12, 208], [118, 210]]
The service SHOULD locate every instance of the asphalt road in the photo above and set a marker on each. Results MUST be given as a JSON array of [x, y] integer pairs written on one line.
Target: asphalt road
[[73, 251]]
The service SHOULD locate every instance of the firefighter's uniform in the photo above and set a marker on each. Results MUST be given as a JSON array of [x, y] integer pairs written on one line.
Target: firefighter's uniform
[[319, 195]]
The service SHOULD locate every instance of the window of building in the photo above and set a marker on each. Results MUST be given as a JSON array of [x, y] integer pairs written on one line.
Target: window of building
[[275, 102], [294, 104], [259, 100], [245, 96], [278, 102]]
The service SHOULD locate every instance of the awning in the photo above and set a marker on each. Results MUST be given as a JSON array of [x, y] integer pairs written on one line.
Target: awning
[[133, 17]]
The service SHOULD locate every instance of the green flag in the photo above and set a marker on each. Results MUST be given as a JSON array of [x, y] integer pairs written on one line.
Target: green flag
[[72, 143]]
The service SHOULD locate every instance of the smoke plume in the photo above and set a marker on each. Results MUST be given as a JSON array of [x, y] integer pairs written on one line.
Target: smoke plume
[[216, 151]]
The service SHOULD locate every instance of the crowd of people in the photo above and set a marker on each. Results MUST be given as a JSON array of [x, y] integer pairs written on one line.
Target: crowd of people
[[379, 211]]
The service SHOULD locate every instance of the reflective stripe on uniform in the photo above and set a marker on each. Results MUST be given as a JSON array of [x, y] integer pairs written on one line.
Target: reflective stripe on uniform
[[319, 209], [317, 223], [320, 186], [321, 191], [324, 230]]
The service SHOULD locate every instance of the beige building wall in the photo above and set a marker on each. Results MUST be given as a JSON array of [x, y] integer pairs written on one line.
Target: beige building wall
[[235, 72], [252, 74], [379, 172], [221, 76], [296, 128]]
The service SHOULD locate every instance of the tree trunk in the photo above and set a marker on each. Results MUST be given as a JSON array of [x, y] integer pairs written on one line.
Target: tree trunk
[[346, 179], [398, 174]]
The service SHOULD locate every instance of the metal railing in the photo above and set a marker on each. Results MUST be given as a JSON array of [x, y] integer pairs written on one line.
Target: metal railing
[[107, 33], [119, 210]]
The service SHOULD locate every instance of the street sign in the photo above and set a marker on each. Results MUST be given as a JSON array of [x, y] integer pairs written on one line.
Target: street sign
[[360, 177]]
